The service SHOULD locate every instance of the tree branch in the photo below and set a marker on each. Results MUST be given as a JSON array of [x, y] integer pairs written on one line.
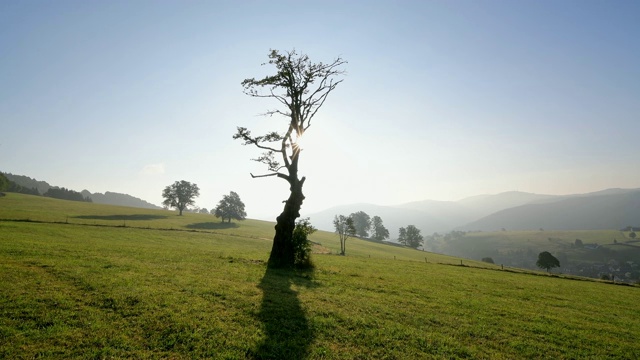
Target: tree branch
[[245, 135], [280, 175]]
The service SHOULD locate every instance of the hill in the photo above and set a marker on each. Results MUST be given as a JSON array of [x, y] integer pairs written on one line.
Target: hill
[[393, 217], [121, 284], [601, 210], [29, 183], [429, 215], [606, 209], [592, 253], [112, 198], [108, 197]]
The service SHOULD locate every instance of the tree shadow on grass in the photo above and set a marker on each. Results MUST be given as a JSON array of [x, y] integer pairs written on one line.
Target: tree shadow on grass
[[287, 331], [212, 225], [122, 217]]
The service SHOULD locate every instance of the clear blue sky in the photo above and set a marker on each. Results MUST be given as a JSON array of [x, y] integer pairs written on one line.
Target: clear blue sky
[[443, 99]]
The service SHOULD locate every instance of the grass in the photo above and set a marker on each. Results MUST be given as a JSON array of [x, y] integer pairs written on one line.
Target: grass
[[76, 291], [503, 245]]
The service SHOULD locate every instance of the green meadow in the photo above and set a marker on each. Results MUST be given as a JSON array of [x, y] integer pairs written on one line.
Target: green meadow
[[520, 248], [80, 280]]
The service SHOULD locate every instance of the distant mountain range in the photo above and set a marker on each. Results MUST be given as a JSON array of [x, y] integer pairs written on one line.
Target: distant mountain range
[[108, 197], [607, 209], [513, 210]]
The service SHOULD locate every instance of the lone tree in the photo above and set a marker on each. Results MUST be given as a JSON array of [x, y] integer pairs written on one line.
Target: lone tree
[[378, 231], [362, 223], [345, 229], [301, 88], [230, 207], [547, 261], [410, 236], [180, 194]]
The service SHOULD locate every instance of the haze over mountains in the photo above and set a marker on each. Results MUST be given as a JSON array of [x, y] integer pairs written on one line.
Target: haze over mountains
[[607, 209], [110, 198], [513, 210]]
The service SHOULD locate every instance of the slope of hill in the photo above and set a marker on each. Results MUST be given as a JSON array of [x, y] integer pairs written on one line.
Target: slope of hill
[[483, 205], [393, 218], [429, 215], [28, 182], [112, 198], [602, 210], [108, 197], [605, 209], [204, 292]]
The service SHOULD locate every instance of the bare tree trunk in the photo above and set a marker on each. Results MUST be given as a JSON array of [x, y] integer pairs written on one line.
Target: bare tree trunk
[[282, 252]]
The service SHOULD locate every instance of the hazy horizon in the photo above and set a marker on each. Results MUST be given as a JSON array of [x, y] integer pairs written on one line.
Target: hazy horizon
[[442, 100]]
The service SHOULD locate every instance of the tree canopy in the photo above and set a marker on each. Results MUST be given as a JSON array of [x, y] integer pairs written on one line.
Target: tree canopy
[[362, 223], [300, 88], [547, 261], [4, 182], [180, 194], [66, 194], [410, 236], [378, 231], [230, 207]]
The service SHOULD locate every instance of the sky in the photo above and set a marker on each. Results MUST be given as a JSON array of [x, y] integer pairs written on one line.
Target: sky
[[442, 100]]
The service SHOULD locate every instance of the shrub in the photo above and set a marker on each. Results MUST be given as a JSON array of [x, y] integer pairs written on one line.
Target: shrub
[[301, 244], [488, 260]]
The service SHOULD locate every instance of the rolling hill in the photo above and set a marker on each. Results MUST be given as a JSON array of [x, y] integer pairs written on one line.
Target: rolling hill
[[606, 209], [85, 280], [108, 197], [601, 210]]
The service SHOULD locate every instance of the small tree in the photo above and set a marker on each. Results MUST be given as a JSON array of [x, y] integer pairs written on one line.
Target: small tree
[[362, 223], [410, 236], [632, 235], [488, 260], [180, 194], [547, 261], [230, 207], [379, 232], [344, 228], [203, 211], [301, 244]]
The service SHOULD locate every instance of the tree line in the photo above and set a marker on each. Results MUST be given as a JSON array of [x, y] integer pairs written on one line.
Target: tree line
[[362, 225], [53, 192]]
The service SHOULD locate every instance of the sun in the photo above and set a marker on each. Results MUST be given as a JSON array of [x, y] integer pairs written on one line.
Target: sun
[[299, 142]]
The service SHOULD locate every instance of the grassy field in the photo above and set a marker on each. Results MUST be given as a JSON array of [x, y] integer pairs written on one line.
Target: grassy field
[[141, 290], [520, 248]]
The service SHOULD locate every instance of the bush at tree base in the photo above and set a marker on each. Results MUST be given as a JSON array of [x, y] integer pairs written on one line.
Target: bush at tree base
[[301, 244]]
